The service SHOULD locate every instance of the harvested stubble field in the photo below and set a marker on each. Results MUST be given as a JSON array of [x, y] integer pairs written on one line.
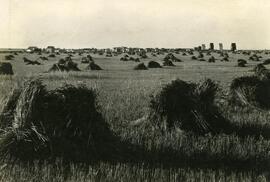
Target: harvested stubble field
[[123, 97]]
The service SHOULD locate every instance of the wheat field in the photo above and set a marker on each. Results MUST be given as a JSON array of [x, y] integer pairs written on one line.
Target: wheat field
[[124, 96]]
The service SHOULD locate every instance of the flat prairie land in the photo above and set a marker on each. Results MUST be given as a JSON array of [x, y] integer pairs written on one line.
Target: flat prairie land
[[124, 96]]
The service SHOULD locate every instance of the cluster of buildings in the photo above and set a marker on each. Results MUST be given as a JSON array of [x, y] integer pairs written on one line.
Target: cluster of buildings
[[131, 50], [49, 49], [52, 49], [114, 50], [212, 47], [120, 50]]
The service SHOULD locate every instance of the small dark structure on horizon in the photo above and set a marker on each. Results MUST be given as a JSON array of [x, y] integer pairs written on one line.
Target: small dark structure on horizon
[[233, 47], [211, 46]]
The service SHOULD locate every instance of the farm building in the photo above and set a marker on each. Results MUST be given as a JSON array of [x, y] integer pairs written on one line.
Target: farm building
[[50, 49], [211, 46], [220, 46], [233, 47], [203, 47], [32, 49], [120, 49]]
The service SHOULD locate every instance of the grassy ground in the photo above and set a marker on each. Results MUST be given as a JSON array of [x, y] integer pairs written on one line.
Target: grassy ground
[[174, 156]]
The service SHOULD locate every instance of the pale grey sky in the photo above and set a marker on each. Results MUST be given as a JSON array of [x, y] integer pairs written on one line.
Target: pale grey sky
[[136, 23]]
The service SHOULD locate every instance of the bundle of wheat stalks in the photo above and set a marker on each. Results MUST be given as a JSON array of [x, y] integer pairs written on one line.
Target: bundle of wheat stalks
[[189, 106], [39, 123], [252, 90]]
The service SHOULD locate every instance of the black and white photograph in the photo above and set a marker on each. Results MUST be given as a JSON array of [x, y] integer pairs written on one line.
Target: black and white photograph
[[135, 91]]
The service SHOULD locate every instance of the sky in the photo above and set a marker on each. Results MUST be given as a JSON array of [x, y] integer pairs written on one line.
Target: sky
[[134, 23]]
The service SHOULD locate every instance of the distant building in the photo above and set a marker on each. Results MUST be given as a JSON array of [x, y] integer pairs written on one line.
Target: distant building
[[57, 50], [86, 50], [69, 51], [211, 46], [220, 46], [108, 51], [203, 47], [120, 49], [150, 49], [50, 49], [32, 49], [199, 48], [233, 47]]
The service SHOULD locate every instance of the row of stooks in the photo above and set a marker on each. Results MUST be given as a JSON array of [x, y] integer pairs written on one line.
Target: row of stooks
[[68, 65]]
